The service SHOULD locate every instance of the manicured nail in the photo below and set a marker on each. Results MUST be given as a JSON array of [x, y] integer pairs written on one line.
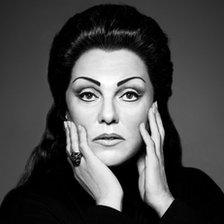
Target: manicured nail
[[156, 105]]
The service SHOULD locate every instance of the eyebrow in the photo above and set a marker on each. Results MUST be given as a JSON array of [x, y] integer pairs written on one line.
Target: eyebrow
[[118, 84]]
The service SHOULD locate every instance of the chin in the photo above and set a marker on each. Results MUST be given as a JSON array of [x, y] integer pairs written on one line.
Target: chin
[[112, 161], [114, 158]]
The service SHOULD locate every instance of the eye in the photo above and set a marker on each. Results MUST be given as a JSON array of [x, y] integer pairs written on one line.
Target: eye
[[131, 96], [87, 96]]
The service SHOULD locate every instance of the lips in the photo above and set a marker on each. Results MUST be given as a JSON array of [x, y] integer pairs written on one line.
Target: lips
[[112, 136]]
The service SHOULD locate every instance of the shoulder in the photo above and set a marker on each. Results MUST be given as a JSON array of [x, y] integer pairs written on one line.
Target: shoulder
[[192, 180], [195, 188], [194, 177], [25, 195], [28, 203]]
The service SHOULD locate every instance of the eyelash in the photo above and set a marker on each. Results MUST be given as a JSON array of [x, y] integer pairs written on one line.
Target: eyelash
[[128, 92]]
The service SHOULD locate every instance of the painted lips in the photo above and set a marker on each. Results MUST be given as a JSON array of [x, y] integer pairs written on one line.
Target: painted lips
[[109, 142], [109, 139]]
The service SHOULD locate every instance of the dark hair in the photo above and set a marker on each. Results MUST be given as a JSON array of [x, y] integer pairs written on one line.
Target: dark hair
[[108, 27]]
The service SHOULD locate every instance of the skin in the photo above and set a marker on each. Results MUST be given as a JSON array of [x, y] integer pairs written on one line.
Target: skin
[[111, 110], [108, 108]]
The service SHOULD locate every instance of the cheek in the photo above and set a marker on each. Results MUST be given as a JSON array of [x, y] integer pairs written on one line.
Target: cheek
[[132, 117], [80, 114]]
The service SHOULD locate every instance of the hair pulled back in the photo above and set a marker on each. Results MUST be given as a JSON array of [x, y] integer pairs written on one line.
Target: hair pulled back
[[108, 27]]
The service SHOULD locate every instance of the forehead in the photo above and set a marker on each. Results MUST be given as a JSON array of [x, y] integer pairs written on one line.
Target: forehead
[[109, 67]]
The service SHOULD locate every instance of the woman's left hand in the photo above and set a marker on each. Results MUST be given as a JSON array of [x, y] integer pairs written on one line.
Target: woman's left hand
[[152, 183]]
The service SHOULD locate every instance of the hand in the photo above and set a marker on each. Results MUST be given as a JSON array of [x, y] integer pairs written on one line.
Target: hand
[[93, 175], [153, 185]]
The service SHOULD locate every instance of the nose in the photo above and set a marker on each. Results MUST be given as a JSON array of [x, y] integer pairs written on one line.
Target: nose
[[108, 113]]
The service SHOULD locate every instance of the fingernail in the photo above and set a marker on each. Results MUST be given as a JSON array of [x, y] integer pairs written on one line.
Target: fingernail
[[79, 127], [156, 105]]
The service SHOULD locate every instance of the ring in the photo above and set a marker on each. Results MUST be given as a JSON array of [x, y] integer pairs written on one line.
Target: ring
[[75, 158]]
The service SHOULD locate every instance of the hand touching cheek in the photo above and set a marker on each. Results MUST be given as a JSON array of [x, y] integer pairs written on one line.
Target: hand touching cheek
[[92, 174], [153, 185]]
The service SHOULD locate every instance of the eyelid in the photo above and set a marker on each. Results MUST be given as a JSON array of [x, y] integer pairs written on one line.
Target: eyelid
[[86, 92], [138, 90], [86, 89], [137, 95]]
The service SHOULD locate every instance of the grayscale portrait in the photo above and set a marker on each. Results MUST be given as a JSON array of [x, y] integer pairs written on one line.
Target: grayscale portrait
[[112, 112]]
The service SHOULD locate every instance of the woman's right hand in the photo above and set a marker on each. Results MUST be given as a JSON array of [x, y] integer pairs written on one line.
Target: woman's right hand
[[93, 175]]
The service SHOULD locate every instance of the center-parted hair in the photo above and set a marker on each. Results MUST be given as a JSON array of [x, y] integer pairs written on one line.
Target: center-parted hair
[[108, 27]]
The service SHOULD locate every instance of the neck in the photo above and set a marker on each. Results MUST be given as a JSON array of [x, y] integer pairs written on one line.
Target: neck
[[127, 174]]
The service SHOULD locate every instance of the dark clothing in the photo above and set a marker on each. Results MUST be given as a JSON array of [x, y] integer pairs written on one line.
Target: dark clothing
[[58, 198]]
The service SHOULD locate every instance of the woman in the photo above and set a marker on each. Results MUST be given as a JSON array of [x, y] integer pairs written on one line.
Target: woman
[[110, 152]]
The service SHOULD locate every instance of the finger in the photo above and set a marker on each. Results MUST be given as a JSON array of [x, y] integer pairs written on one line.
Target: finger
[[78, 175], [141, 172], [74, 146], [84, 147], [74, 137], [162, 133], [155, 135], [68, 144], [150, 145], [160, 124], [83, 184]]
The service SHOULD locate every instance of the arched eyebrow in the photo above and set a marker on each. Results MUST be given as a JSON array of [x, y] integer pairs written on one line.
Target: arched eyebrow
[[118, 84]]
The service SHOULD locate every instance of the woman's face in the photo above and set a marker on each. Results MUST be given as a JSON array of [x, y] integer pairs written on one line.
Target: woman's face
[[110, 92]]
